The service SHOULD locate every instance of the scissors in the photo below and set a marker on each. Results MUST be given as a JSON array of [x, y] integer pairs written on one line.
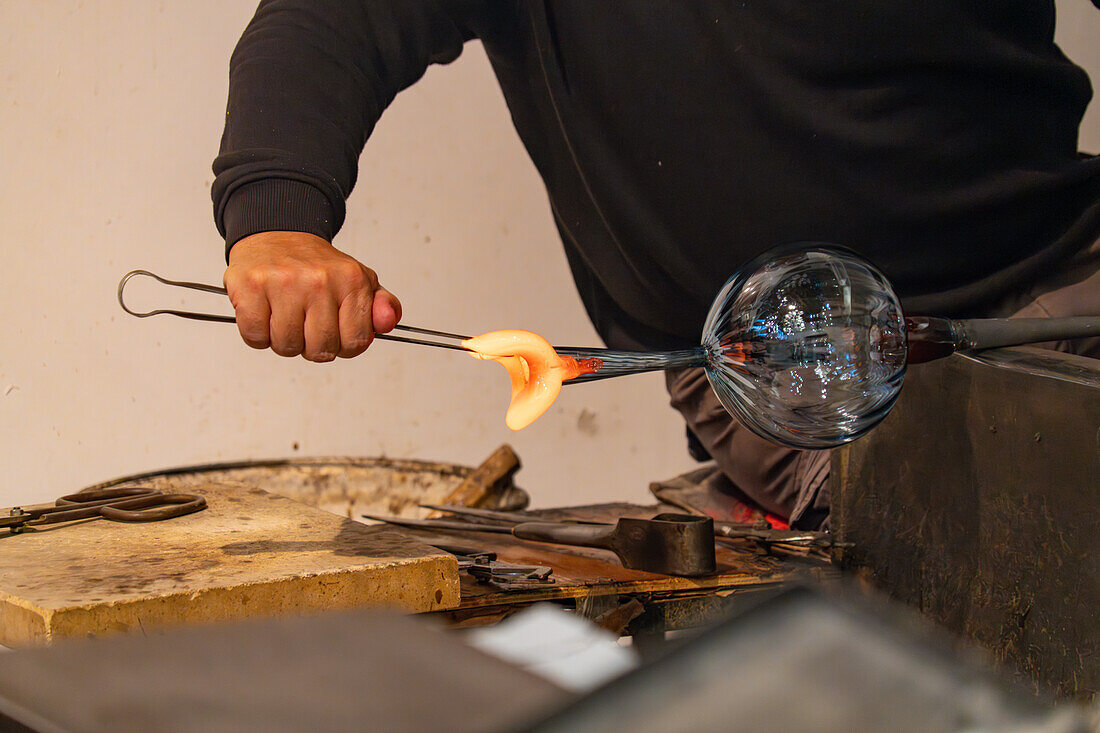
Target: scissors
[[122, 504]]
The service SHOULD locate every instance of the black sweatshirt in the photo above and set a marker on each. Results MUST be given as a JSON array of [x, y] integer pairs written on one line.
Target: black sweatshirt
[[678, 139]]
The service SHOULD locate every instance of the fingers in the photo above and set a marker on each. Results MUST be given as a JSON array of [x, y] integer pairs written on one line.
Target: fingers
[[362, 316], [253, 316], [322, 334], [356, 325], [297, 294], [385, 311], [287, 328]]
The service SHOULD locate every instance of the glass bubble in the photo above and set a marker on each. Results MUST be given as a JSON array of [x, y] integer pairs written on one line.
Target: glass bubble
[[806, 346]]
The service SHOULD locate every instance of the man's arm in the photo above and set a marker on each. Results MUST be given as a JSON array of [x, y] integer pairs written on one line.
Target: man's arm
[[308, 82]]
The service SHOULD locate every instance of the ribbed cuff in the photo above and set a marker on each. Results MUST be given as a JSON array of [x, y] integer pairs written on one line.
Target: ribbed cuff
[[276, 205]]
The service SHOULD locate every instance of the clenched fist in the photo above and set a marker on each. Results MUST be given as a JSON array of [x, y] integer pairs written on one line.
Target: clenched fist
[[298, 294]]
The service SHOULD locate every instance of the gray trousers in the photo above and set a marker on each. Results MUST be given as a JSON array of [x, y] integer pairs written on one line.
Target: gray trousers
[[794, 483]]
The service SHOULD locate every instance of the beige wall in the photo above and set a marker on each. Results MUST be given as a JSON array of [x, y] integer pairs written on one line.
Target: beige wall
[[110, 116]]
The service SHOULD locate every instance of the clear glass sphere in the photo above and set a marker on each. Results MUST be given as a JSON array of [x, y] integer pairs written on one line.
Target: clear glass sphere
[[806, 346]]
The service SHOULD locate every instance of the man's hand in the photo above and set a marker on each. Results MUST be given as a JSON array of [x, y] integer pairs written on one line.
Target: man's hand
[[298, 294]]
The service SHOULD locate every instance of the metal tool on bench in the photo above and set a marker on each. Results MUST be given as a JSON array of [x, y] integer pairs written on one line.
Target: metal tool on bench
[[737, 531], [121, 504], [501, 516], [485, 568], [673, 544]]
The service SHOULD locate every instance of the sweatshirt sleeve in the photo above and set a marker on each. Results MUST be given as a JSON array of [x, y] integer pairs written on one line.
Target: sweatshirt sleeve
[[308, 80]]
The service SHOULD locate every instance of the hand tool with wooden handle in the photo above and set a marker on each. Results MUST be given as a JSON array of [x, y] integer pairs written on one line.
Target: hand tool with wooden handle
[[486, 482]]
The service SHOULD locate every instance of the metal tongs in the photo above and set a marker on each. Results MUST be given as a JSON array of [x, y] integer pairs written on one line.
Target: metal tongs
[[121, 504], [217, 290]]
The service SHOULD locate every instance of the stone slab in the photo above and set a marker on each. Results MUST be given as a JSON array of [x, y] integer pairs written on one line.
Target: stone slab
[[251, 553]]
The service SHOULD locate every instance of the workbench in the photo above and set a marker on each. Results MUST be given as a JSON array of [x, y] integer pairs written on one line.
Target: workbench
[[364, 666], [258, 552]]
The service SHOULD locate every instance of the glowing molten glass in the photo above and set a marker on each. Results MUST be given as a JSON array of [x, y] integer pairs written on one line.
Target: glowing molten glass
[[534, 368]]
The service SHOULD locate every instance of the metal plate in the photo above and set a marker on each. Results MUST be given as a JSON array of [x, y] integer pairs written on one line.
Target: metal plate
[[978, 501]]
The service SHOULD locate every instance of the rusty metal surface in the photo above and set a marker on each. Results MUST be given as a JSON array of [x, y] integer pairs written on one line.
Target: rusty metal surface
[[593, 582], [978, 501]]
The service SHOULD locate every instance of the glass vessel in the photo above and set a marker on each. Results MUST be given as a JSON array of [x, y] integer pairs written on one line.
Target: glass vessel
[[805, 345]]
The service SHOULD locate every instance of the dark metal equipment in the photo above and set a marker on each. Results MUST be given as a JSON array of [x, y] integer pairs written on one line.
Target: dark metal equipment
[[976, 501], [121, 504], [673, 544], [359, 670], [797, 661]]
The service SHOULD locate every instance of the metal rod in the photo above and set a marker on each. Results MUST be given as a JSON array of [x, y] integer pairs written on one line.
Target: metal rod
[[512, 517], [930, 337], [987, 333], [440, 524]]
